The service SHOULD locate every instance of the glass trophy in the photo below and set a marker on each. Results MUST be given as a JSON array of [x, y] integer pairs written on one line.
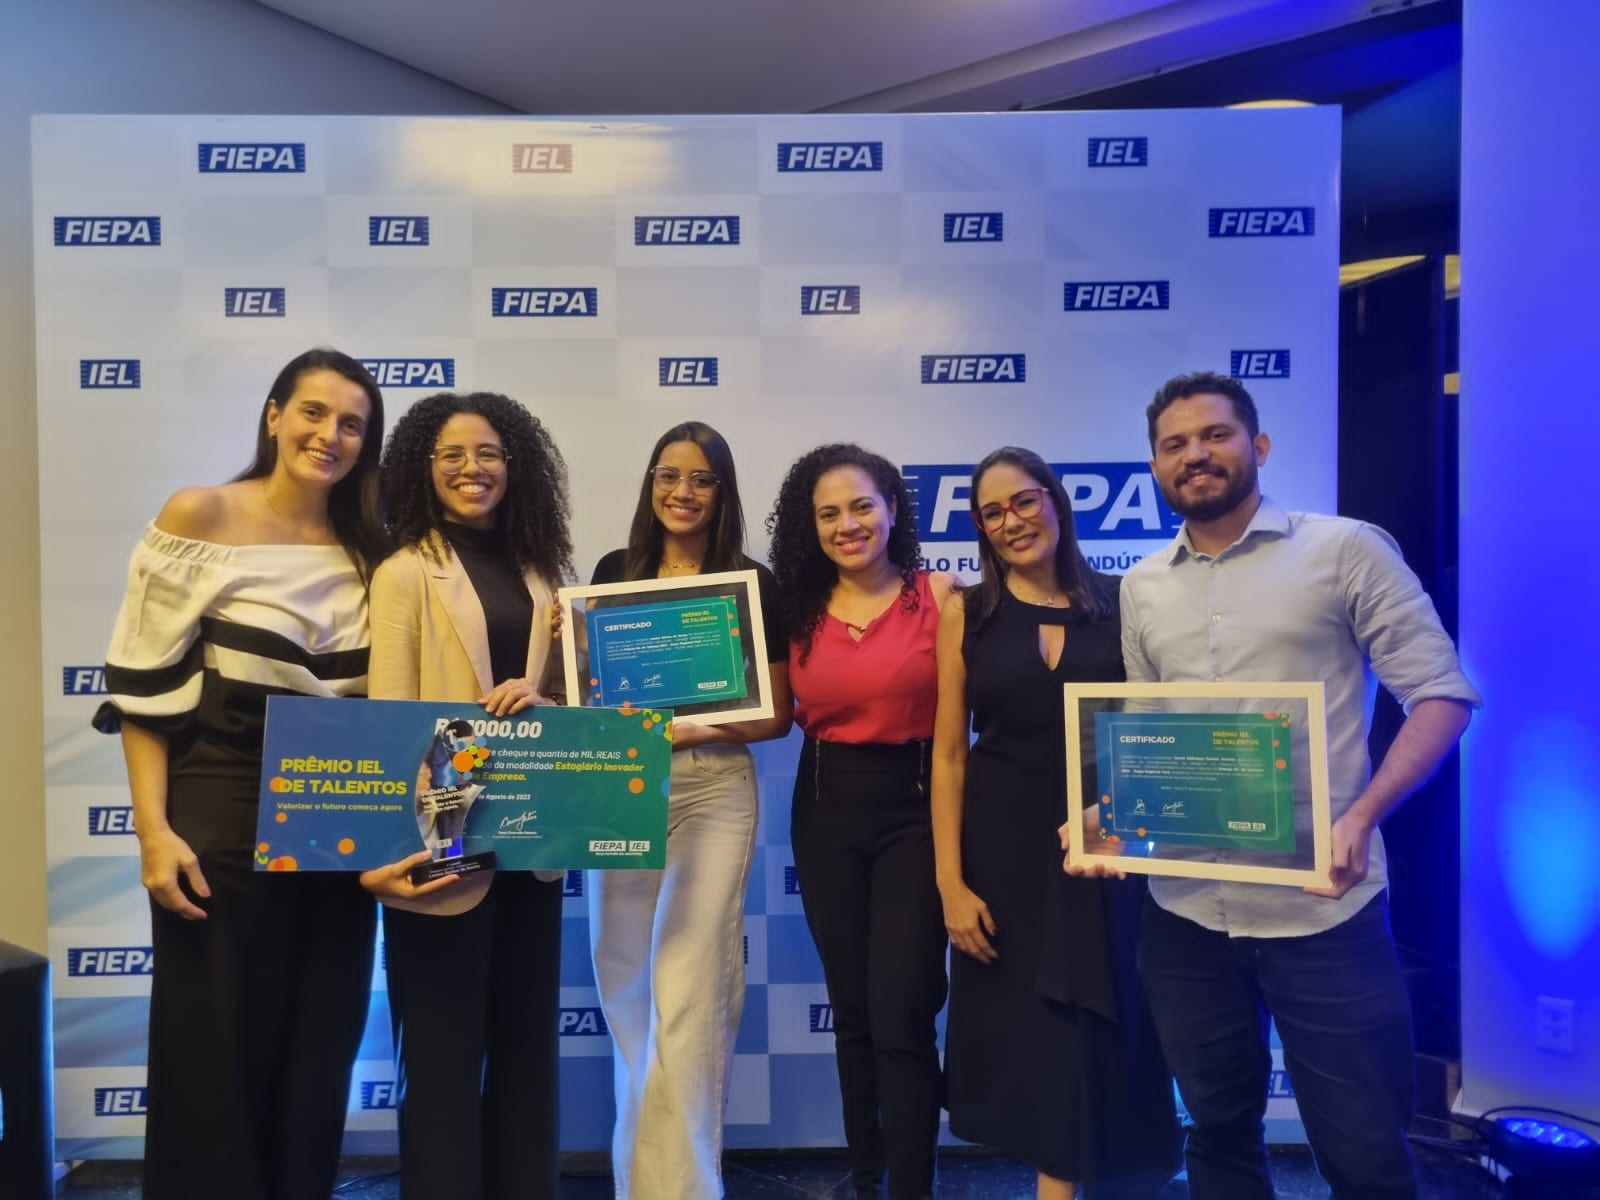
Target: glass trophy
[[445, 795]]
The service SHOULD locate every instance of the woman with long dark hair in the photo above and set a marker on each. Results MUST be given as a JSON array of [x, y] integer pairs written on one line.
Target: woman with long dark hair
[[668, 945], [476, 494], [863, 619], [236, 591], [1049, 1053]]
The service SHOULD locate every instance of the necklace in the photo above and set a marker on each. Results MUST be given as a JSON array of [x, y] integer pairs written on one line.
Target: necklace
[[1047, 602]]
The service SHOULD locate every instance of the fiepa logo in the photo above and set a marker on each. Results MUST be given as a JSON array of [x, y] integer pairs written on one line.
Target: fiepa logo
[[1110, 501], [1126, 295], [110, 820], [582, 1021], [83, 681], [120, 1102], [686, 231], [412, 372], [791, 881], [572, 885], [541, 158], [974, 368], [1262, 222], [398, 231], [96, 961], [975, 227], [821, 1018], [255, 302], [544, 302], [378, 1094], [830, 156], [1119, 152], [840, 299], [687, 372], [108, 231], [108, 373], [252, 158], [1258, 364]]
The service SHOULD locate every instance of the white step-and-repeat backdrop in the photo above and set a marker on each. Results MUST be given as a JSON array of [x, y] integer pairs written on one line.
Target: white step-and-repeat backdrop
[[930, 286]]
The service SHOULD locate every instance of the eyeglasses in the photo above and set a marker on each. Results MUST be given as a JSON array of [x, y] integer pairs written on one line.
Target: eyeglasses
[[668, 478], [452, 460], [1026, 504]]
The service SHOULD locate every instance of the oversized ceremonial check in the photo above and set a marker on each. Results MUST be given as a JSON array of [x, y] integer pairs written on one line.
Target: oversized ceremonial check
[[351, 784], [1206, 780], [695, 644]]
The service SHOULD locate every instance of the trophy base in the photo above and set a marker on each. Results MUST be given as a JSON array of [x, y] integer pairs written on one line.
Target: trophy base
[[461, 864]]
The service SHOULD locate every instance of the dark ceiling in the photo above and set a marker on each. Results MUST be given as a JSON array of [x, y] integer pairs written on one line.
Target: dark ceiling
[[1398, 77]]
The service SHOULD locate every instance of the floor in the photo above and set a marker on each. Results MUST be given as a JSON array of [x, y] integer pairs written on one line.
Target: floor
[[820, 1176]]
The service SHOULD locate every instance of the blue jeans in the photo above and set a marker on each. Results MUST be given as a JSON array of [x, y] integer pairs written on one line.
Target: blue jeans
[[1345, 1023]]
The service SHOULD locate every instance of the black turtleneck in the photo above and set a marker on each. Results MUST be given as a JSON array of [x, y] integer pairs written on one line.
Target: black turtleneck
[[507, 607]]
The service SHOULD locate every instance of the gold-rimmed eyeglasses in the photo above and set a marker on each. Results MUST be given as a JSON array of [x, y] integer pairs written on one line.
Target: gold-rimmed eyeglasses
[[452, 460], [668, 478]]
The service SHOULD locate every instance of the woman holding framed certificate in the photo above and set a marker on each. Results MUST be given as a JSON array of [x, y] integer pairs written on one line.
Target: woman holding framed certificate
[[668, 945], [864, 621], [1050, 1056], [476, 494], [235, 592]]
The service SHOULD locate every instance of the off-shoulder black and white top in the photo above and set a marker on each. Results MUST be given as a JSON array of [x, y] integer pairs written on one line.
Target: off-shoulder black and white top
[[207, 632]]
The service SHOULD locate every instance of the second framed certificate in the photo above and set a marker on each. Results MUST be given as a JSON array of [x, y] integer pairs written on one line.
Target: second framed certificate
[[694, 645], [1204, 780]]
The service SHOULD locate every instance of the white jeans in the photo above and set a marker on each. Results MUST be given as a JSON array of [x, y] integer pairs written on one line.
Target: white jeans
[[668, 953]]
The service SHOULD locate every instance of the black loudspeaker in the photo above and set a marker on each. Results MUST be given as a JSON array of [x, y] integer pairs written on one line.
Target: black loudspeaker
[[27, 1102]]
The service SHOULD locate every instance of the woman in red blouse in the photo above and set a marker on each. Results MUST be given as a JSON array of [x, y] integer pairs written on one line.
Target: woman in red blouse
[[863, 621]]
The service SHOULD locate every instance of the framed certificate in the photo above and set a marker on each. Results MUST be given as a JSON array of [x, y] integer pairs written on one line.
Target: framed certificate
[[694, 645], [1202, 780]]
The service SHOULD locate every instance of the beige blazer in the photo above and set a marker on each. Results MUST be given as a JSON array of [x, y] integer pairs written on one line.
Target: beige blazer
[[430, 642]]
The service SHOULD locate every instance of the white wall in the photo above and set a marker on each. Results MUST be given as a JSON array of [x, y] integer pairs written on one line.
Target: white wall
[[1530, 589], [116, 56]]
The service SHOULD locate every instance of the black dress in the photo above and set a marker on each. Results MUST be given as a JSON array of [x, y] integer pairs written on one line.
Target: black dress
[[1050, 1056]]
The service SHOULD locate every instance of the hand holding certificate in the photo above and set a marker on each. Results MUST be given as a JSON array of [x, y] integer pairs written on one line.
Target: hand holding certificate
[[547, 788], [1209, 781], [695, 644]]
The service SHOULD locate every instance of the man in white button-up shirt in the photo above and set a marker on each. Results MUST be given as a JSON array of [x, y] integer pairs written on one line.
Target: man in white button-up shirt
[[1248, 591]]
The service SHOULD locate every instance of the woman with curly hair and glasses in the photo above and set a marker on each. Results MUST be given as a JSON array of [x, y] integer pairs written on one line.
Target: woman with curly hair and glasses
[[476, 494], [863, 620], [668, 945]]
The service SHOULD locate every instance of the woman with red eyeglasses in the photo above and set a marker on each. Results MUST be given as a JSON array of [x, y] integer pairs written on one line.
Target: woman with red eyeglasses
[[1049, 1054]]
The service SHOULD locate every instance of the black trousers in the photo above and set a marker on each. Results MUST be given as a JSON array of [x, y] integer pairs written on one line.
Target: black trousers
[[863, 852], [475, 1001], [256, 1015]]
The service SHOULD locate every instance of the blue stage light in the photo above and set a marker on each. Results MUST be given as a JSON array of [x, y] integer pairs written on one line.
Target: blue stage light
[[1545, 1158]]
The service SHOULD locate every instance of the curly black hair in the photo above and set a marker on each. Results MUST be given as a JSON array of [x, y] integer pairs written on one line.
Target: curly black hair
[[532, 518], [806, 575]]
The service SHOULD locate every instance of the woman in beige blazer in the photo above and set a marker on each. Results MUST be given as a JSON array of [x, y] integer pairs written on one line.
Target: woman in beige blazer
[[476, 496]]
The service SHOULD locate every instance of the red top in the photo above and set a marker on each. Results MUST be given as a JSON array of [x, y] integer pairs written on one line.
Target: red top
[[882, 688]]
